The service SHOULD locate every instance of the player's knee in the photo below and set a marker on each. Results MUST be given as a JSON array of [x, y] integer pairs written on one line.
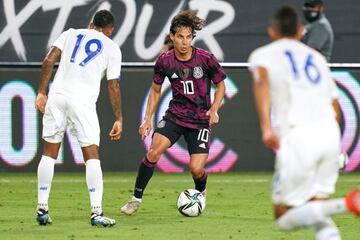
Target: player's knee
[[281, 220], [153, 155], [196, 171], [283, 224]]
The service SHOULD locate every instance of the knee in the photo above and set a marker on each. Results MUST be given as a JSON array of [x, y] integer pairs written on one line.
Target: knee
[[153, 155], [283, 224], [196, 171]]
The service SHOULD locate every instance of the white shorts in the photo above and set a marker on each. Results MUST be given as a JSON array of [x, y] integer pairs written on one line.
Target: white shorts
[[61, 112], [306, 164]]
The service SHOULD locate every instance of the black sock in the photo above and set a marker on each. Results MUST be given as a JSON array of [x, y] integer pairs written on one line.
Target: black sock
[[145, 173], [200, 183]]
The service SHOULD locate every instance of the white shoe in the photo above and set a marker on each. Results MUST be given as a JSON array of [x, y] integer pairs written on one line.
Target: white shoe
[[131, 207], [204, 193]]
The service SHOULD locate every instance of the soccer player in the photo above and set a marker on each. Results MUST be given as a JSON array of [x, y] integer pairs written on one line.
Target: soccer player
[[293, 80], [191, 71], [85, 55]]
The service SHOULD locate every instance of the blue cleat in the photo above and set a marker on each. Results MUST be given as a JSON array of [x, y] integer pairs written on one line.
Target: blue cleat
[[101, 220], [43, 217]]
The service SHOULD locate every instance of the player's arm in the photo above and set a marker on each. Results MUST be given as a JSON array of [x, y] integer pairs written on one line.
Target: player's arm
[[115, 100], [47, 67], [336, 106], [153, 101], [263, 103], [219, 96]]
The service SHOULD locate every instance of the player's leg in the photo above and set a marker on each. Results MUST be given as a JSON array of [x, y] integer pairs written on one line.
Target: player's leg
[[166, 134], [198, 147], [54, 124], [198, 172], [45, 174], [94, 181], [85, 126], [311, 208]]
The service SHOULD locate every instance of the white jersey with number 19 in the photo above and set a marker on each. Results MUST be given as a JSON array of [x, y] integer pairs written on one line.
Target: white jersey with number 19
[[86, 56], [301, 87]]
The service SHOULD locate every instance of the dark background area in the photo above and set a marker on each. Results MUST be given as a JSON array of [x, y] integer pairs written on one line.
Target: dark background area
[[246, 32], [238, 128]]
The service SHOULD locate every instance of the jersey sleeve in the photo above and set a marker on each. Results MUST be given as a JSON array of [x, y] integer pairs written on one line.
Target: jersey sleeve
[[257, 59], [61, 40], [159, 75], [216, 72], [114, 64]]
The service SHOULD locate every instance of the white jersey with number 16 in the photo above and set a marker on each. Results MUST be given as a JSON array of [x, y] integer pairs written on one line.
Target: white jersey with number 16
[[301, 87]]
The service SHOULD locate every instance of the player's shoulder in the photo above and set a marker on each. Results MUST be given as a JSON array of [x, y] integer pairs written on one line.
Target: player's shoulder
[[263, 51], [165, 57], [203, 53]]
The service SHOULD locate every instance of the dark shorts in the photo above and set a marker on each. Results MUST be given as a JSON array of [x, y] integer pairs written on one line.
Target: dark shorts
[[197, 139]]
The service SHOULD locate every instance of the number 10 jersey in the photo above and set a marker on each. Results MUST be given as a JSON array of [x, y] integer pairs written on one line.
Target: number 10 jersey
[[190, 84]]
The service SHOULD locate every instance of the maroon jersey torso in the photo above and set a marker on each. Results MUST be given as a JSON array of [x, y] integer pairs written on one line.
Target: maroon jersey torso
[[190, 84]]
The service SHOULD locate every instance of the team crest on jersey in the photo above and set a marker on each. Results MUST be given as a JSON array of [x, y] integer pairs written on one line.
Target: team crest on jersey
[[161, 124], [198, 72], [184, 73]]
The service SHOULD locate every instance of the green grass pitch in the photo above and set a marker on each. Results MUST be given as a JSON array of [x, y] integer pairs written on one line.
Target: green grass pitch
[[238, 207]]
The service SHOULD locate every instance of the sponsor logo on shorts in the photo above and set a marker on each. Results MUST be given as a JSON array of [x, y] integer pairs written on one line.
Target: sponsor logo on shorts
[[202, 145]]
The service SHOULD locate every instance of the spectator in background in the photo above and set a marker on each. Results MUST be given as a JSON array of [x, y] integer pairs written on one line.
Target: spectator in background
[[318, 32]]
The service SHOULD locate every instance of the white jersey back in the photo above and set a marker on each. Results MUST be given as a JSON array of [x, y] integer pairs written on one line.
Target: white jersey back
[[86, 56], [301, 87]]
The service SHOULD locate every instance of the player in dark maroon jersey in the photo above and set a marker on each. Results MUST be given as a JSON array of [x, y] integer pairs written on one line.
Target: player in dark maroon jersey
[[191, 72]]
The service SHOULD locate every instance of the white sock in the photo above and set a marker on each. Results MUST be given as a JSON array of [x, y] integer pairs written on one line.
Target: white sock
[[136, 199], [94, 180], [45, 173], [327, 230], [311, 213]]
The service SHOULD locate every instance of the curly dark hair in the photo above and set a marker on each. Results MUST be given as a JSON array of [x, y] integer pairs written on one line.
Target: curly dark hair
[[187, 18]]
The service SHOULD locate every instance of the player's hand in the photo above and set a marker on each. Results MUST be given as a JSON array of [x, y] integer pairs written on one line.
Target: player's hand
[[270, 139], [213, 117], [145, 129], [40, 102], [116, 130]]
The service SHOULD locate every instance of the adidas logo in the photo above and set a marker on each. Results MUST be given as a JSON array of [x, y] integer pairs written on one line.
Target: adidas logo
[[202, 145], [174, 76]]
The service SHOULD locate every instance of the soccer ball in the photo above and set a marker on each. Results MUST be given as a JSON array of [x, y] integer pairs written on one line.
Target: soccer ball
[[191, 203]]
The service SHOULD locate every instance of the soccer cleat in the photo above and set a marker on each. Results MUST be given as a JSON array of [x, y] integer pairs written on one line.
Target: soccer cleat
[[43, 217], [352, 200], [204, 193], [101, 220], [131, 207]]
